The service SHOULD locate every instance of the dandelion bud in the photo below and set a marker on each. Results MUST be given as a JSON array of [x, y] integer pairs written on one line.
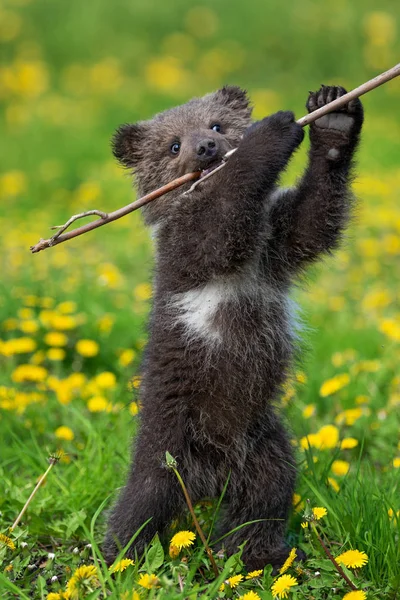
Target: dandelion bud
[[173, 551], [170, 461]]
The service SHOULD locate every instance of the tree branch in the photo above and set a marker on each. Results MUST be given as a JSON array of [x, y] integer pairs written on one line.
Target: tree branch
[[105, 218]]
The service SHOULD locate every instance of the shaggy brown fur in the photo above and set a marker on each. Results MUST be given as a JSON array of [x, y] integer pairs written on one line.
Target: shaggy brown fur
[[222, 332]]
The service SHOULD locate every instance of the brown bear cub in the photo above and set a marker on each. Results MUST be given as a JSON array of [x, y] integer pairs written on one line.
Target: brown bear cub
[[222, 327]]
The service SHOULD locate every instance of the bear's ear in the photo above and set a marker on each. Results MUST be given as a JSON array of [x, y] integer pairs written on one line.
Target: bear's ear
[[234, 97], [127, 143]]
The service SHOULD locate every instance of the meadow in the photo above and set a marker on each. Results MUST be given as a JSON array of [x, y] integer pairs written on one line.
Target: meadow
[[72, 318]]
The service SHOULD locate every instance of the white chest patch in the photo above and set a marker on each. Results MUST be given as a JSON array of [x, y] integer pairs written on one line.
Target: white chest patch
[[198, 307]]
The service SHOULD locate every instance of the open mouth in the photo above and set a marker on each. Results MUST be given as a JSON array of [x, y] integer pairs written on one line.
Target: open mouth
[[210, 168]]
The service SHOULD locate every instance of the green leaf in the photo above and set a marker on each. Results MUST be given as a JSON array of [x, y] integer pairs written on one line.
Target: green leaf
[[155, 556], [74, 522]]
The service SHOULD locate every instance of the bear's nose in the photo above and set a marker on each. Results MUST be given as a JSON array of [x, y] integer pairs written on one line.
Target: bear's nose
[[206, 149]]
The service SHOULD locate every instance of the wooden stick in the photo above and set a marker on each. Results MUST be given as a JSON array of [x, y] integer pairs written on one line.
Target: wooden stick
[[109, 217], [356, 93], [172, 185]]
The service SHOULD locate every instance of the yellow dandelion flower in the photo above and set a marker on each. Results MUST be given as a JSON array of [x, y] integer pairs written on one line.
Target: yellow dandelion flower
[[87, 348], [135, 382], [165, 74], [183, 539], [143, 291], [63, 322], [10, 324], [64, 433], [312, 440], [105, 323], [106, 380], [396, 462], [340, 467], [126, 357], [22, 345], [319, 512], [250, 596], [288, 562], [148, 581], [55, 338], [234, 581], [133, 595], [47, 302], [297, 502], [67, 307], [348, 443], [55, 354], [31, 300], [30, 326], [7, 541], [361, 399], [54, 596], [133, 408], [331, 386], [391, 328], [309, 411], [352, 559], [254, 574], [349, 416], [356, 595], [99, 404], [12, 183], [121, 565], [25, 313], [334, 484], [32, 373], [329, 436], [282, 585], [84, 581]]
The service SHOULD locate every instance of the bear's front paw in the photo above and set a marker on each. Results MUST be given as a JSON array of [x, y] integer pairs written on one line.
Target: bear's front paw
[[278, 132], [346, 121]]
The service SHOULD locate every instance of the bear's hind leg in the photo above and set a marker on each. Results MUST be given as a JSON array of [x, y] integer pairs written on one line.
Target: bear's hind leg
[[261, 489], [153, 494]]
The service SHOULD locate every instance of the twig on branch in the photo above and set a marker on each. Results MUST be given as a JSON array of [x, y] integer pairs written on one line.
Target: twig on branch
[[172, 185], [87, 213]]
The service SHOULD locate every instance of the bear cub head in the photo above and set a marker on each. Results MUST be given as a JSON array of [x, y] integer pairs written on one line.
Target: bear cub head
[[187, 138]]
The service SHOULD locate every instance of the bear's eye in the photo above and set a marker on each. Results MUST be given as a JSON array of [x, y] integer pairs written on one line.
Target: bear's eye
[[216, 127], [175, 147]]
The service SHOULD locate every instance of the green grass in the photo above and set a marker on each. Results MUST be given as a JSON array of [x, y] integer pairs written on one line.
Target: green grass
[[70, 73]]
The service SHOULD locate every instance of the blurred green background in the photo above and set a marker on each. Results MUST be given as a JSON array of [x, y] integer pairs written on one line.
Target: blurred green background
[[70, 73]]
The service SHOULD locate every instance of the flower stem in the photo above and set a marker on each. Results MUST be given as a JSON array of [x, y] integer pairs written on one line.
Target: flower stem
[[171, 464], [53, 460], [331, 558]]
